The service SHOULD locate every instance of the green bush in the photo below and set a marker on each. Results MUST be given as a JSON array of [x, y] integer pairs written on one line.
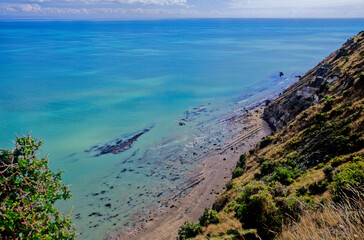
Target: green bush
[[267, 167], [257, 175], [320, 117], [349, 177], [328, 104], [238, 172], [189, 230], [340, 144], [28, 191], [262, 159], [282, 175], [257, 209], [265, 208], [242, 161], [316, 188], [337, 161], [229, 185], [231, 207], [290, 207], [328, 170], [220, 202], [266, 141], [252, 151], [324, 86], [209, 216]]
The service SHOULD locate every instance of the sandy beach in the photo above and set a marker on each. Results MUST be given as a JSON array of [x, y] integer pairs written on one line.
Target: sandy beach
[[213, 173]]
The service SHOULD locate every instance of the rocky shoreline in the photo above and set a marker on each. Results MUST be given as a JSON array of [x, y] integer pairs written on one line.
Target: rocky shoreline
[[247, 128]]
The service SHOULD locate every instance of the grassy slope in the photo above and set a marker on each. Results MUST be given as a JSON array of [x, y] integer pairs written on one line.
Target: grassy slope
[[319, 139]]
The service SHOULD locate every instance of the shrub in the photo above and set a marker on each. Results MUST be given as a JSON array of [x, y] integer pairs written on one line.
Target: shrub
[[229, 185], [242, 161], [328, 170], [324, 86], [282, 175], [262, 159], [336, 112], [220, 202], [320, 117], [265, 208], [349, 177], [238, 172], [316, 188], [232, 206], [266, 141], [337, 161], [252, 151], [209, 216], [328, 104], [267, 167], [256, 209], [290, 207], [340, 144], [28, 191], [189, 230]]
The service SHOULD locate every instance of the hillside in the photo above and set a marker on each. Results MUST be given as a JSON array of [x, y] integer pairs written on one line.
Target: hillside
[[311, 165]]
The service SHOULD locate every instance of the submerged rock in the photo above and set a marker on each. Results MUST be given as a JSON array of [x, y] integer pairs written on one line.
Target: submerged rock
[[117, 146]]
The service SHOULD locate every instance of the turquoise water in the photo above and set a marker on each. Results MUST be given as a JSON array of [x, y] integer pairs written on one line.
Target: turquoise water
[[80, 84]]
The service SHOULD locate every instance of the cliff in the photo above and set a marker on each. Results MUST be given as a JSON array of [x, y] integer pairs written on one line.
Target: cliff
[[335, 73], [315, 158]]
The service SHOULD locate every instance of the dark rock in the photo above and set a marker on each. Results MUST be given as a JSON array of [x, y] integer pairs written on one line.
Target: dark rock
[[95, 214], [117, 146]]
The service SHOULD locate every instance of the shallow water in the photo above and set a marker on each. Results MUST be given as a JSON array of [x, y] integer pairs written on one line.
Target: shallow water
[[81, 84]]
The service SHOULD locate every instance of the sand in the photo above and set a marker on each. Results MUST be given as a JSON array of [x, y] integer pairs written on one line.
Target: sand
[[214, 172]]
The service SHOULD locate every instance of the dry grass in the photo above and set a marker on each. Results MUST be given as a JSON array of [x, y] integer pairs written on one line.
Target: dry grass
[[227, 222], [345, 221]]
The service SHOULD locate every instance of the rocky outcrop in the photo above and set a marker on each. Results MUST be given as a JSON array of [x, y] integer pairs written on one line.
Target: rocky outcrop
[[309, 89], [117, 146]]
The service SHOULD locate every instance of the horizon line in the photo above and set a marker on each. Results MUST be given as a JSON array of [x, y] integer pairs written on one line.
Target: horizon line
[[178, 18]]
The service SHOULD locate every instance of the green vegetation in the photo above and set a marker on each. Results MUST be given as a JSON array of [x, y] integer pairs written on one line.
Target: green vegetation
[[208, 216], [349, 177], [28, 191], [265, 208], [266, 141], [238, 172], [309, 175], [242, 161], [189, 230], [240, 166]]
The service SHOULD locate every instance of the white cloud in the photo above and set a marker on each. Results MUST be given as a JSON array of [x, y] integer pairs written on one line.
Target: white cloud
[[145, 2], [37, 10], [155, 2], [25, 7], [40, 1], [273, 4]]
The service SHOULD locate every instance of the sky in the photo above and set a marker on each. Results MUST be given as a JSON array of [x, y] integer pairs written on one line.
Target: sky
[[159, 9]]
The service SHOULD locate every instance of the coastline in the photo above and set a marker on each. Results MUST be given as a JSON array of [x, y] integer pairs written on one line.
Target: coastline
[[212, 175]]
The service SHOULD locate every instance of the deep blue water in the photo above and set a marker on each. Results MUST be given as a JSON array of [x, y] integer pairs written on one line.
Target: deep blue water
[[78, 84]]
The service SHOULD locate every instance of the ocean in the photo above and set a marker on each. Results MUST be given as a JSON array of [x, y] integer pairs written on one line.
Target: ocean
[[155, 90]]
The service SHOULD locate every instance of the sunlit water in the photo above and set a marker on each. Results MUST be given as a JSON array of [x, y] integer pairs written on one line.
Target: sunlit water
[[80, 84]]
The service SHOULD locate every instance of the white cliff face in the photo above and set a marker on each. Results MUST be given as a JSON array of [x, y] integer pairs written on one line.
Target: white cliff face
[[308, 93]]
